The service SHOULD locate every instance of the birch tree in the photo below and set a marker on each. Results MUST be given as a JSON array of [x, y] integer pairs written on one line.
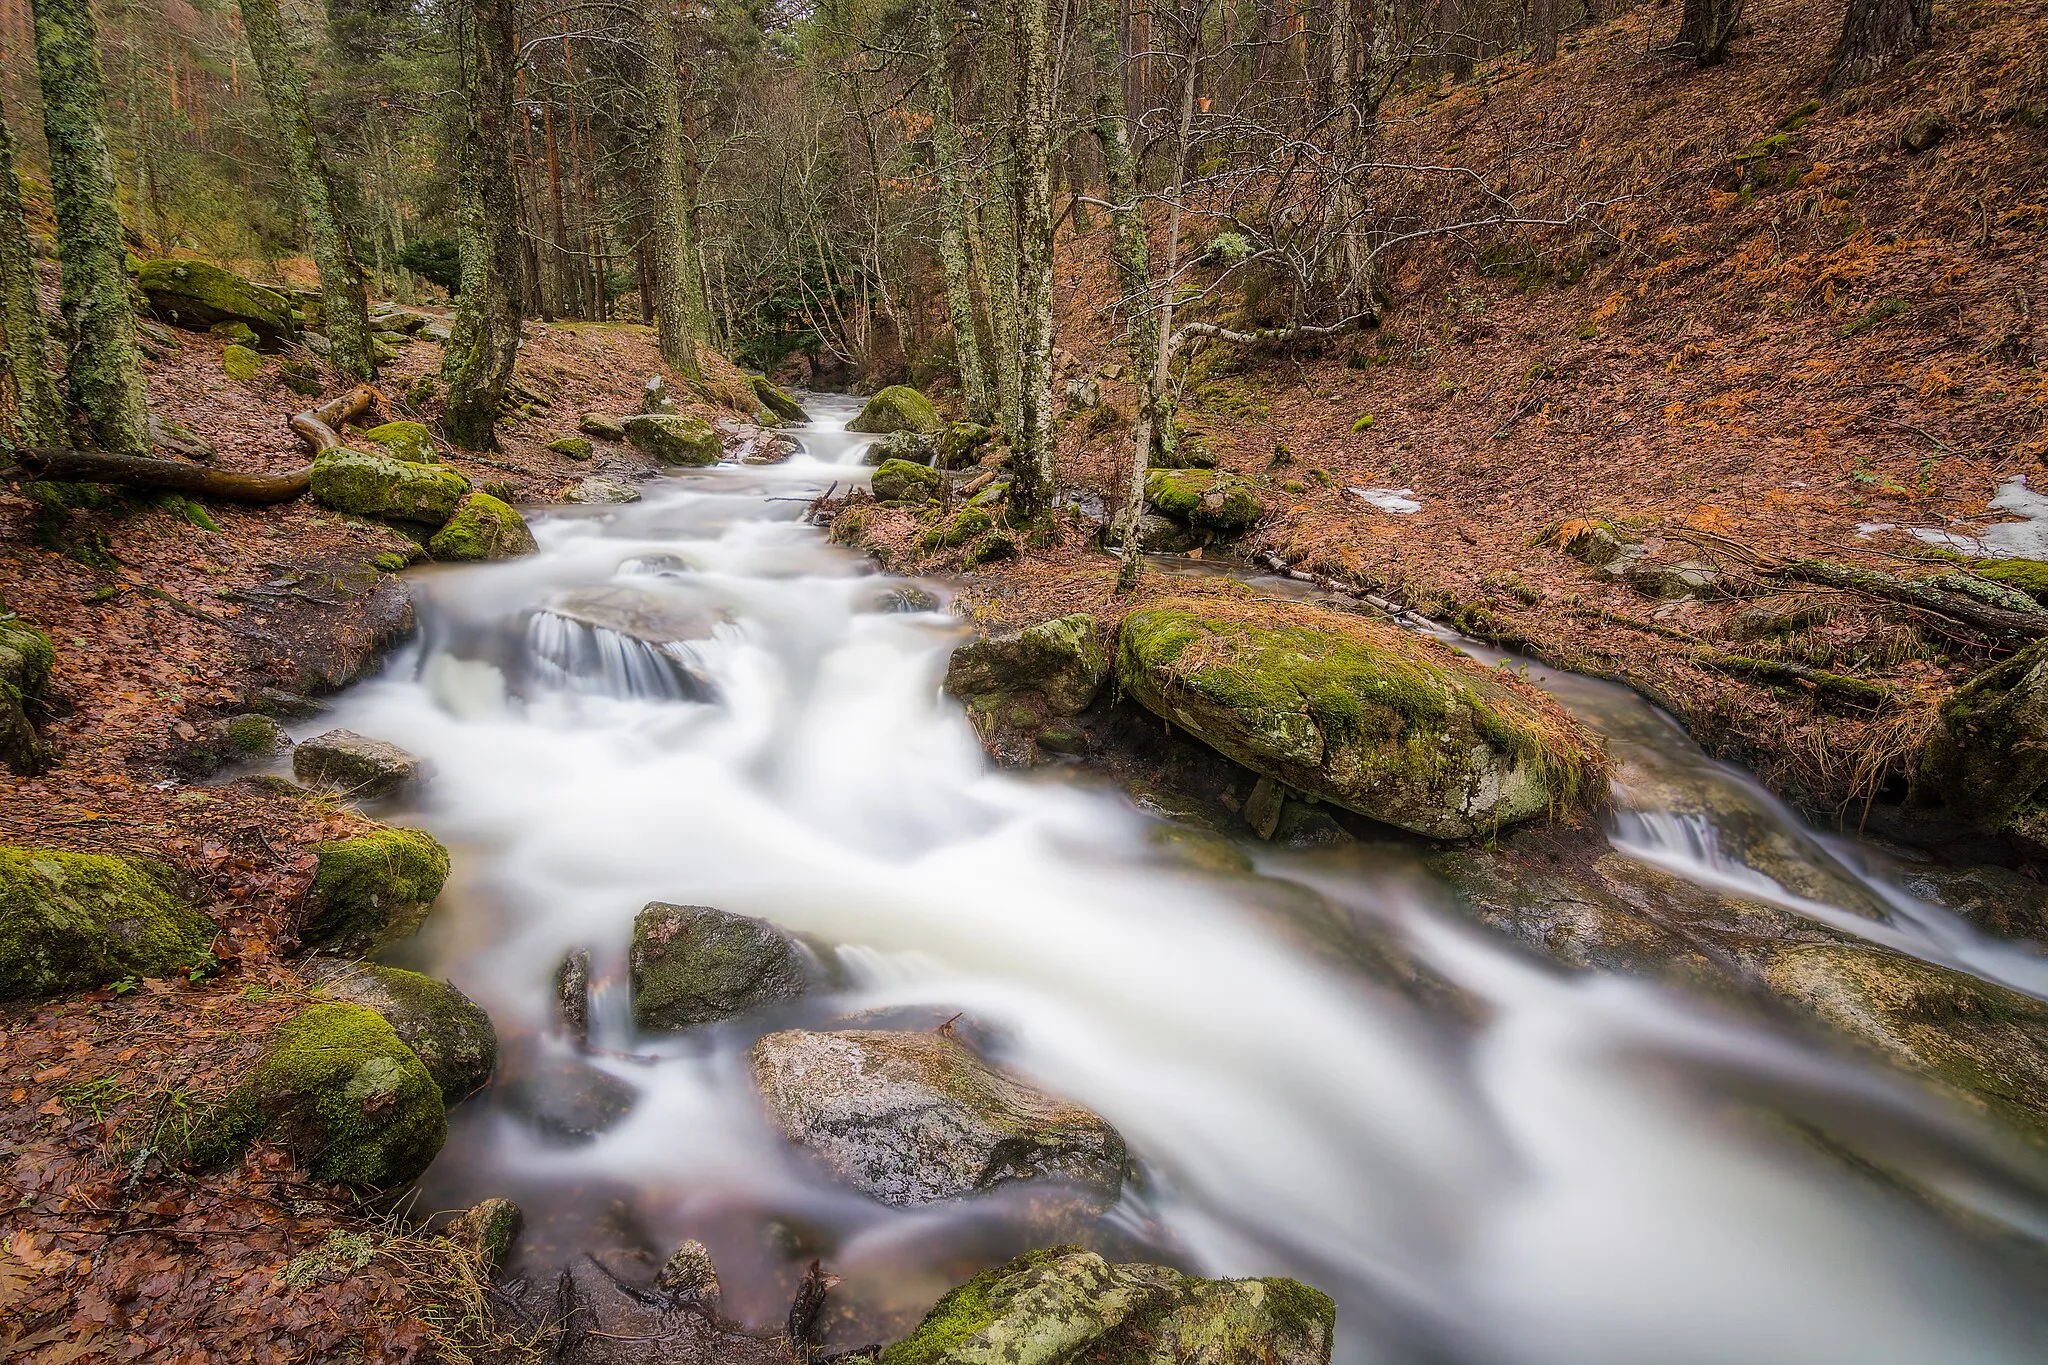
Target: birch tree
[[1033, 440]]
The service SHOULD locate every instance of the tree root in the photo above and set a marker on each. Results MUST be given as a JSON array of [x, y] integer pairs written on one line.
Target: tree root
[[1797, 675]]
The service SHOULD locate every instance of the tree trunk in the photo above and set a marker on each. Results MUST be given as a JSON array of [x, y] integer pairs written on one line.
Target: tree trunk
[[1543, 30], [31, 408], [1878, 35], [345, 312], [105, 369], [673, 267], [484, 340], [949, 158], [1031, 445], [1705, 29]]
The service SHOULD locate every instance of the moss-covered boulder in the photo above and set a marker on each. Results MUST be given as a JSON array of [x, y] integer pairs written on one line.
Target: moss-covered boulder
[[241, 363], [26, 658], [356, 765], [602, 427], [691, 965], [902, 481], [486, 1230], [1986, 762], [1066, 1304], [1371, 717], [1064, 661], [446, 1030], [960, 444], [379, 485], [964, 526], [481, 528], [408, 441], [896, 408], [912, 1118], [338, 1088], [678, 438], [372, 889], [572, 447], [1204, 498], [235, 333], [72, 921], [908, 446], [777, 401], [196, 295]]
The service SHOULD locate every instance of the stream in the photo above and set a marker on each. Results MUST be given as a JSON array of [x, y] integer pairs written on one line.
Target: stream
[[1599, 1170]]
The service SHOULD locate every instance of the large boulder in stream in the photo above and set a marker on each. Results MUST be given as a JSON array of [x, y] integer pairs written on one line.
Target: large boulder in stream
[[447, 1031], [1065, 1304], [1063, 661], [896, 408], [904, 481], [197, 296], [372, 889], [912, 1118], [355, 764], [482, 528], [777, 401], [72, 921], [1986, 763], [675, 438], [379, 485], [694, 965], [1365, 715]]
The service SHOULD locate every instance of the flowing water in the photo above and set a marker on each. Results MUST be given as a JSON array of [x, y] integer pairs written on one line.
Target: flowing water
[[695, 699]]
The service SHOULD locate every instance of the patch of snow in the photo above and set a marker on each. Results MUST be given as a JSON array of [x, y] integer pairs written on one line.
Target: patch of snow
[[1867, 529], [2026, 539], [1399, 500]]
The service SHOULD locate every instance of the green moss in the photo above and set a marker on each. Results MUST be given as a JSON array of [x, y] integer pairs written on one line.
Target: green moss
[[452, 1037], [483, 527], [408, 441], [2029, 576], [1204, 498], [71, 921], [990, 549], [241, 363], [896, 408], [339, 1089], [966, 525], [776, 401], [235, 333], [373, 888], [604, 428], [677, 438], [574, 447], [26, 658], [390, 562], [253, 734], [964, 1311], [376, 485], [196, 294], [902, 481]]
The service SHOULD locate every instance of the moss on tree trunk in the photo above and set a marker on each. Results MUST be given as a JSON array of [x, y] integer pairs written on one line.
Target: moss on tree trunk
[[31, 408], [948, 165], [345, 312], [484, 340], [105, 369], [674, 262], [1031, 444]]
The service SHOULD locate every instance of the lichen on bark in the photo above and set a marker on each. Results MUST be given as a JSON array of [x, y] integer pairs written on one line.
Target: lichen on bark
[[484, 341], [31, 408]]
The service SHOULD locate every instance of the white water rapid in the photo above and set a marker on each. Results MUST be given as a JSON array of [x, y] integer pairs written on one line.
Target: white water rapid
[[1592, 1171]]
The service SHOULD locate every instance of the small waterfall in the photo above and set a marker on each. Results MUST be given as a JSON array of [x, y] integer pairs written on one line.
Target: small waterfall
[[584, 658]]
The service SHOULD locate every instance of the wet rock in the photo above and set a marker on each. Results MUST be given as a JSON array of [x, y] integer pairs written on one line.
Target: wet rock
[[1670, 582], [447, 1031], [333, 654], [372, 889], [1161, 535], [677, 438], [960, 444], [487, 1230], [1199, 848], [255, 736], [26, 657], [1204, 498], [1065, 1304], [1064, 661], [72, 921], [195, 295], [777, 401], [1995, 899], [908, 447], [356, 765], [602, 427], [377, 485], [902, 481], [1986, 762], [482, 528], [643, 613], [688, 1276], [1364, 715], [567, 1101], [896, 408], [572, 447], [904, 598], [695, 965], [593, 1314], [337, 1088], [572, 994], [601, 491], [912, 1118]]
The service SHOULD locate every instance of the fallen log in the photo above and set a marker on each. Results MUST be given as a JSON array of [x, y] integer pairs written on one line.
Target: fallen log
[[1999, 623], [319, 428]]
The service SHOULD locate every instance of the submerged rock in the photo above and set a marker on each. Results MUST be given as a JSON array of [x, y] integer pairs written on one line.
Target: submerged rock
[[337, 1087], [572, 994], [446, 1030], [379, 485], [896, 408], [372, 889], [26, 658], [1067, 1305], [768, 447], [643, 613], [567, 1101], [482, 528], [689, 1275], [1367, 716], [1204, 498], [675, 438], [196, 296], [357, 765], [72, 921], [902, 481], [911, 1118], [694, 965]]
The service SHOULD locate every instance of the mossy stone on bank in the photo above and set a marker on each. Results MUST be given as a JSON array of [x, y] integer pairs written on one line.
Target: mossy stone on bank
[[339, 1089], [379, 485], [73, 921], [602, 427], [2029, 576], [241, 363], [896, 408], [960, 443], [450, 1034], [372, 889], [1986, 762], [572, 447], [777, 401], [26, 658], [482, 528], [1204, 498], [408, 441], [902, 481], [197, 295], [677, 438], [1369, 716]]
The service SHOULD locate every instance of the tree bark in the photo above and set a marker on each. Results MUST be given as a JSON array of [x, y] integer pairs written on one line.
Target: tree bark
[[949, 158], [1543, 30], [344, 310], [673, 267], [31, 408], [484, 340], [1031, 445], [1877, 35], [1706, 27], [104, 372]]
